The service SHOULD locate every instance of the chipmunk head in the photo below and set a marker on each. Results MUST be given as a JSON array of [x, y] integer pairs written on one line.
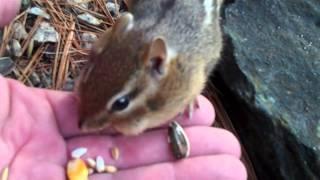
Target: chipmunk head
[[120, 84]]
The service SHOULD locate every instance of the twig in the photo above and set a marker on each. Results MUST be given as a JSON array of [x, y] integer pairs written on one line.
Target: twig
[[64, 59], [32, 63]]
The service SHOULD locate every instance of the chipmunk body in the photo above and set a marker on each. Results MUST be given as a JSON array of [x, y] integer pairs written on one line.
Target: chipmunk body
[[150, 65]]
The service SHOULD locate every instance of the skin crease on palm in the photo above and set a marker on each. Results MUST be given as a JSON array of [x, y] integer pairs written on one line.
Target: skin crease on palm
[[38, 129]]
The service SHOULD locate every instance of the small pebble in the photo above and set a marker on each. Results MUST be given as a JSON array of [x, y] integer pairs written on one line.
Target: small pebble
[[38, 12], [77, 153], [46, 33], [24, 5], [100, 166], [69, 84], [5, 174], [35, 79], [88, 39], [46, 80], [110, 169], [19, 31], [113, 8], [89, 19], [91, 162], [82, 3], [115, 153]]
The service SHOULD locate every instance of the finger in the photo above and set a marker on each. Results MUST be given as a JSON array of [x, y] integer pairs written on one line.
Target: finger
[[8, 9], [217, 167], [153, 147], [205, 114], [65, 104], [65, 108]]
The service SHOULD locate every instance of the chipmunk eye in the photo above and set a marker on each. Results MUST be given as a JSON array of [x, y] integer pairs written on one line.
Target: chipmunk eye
[[121, 103]]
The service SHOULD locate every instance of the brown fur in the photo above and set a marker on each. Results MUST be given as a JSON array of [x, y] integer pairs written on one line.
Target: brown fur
[[120, 62]]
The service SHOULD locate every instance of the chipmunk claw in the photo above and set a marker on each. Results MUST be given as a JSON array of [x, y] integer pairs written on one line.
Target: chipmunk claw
[[191, 107]]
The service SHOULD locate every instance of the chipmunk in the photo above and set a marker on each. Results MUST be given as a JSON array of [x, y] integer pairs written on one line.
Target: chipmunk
[[151, 65]]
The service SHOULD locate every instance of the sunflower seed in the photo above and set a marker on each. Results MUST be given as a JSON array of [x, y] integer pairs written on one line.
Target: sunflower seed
[[179, 141], [100, 166], [77, 153]]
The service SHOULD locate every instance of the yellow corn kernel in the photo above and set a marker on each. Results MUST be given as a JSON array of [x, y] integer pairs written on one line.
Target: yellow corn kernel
[[77, 170]]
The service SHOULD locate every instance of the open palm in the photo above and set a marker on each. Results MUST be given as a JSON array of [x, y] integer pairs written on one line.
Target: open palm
[[38, 129]]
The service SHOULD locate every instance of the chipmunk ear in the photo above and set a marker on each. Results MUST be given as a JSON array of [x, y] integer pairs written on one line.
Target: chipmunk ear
[[128, 4], [101, 43], [157, 59], [123, 24]]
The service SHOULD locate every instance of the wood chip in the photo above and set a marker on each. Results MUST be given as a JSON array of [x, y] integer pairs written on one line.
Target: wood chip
[[115, 153], [5, 173], [110, 169]]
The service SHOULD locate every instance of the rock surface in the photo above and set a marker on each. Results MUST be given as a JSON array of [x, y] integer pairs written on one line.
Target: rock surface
[[272, 65]]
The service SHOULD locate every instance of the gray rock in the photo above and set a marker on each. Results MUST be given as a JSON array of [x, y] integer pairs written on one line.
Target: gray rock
[[35, 79], [88, 18], [25, 4], [6, 65], [69, 84], [273, 67], [46, 79], [88, 39], [20, 31], [46, 33]]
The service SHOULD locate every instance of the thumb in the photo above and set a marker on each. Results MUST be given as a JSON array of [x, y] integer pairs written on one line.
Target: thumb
[[8, 9]]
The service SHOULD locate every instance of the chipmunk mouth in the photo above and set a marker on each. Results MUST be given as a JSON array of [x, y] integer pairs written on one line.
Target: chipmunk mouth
[[88, 126], [93, 124]]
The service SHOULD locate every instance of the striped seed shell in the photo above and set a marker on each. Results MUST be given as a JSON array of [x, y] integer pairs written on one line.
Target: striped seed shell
[[179, 141]]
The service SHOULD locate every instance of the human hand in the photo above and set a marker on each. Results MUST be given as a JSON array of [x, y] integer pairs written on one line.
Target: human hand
[[38, 129], [8, 9]]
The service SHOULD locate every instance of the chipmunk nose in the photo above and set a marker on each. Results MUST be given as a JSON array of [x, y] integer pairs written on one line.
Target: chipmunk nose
[[91, 124]]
